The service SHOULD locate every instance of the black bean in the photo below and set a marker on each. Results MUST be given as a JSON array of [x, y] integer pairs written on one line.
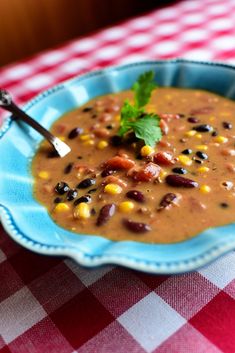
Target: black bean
[[68, 168], [179, 170], [214, 133], [201, 155], [87, 109], [62, 188], [107, 171], [135, 195], [181, 115], [75, 132], [167, 201], [224, 205], [203, 128], [92, 190], [79, 157], [187, 151], [193, 120], [197, 161], [136, 227], [116, 140], [179, 181], [106, 212], [109, 127], [72, 194], [227, 125], [86, 183], [58, 200], [85, 198]]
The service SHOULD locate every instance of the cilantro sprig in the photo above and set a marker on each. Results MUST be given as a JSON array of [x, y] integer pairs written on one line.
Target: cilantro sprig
[[134, 118]]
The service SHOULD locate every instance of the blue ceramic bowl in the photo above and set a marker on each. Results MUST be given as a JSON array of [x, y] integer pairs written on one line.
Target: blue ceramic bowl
[[28, 222]]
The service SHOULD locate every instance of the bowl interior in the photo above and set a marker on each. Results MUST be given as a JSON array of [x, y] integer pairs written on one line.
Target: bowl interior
[[29, 223]]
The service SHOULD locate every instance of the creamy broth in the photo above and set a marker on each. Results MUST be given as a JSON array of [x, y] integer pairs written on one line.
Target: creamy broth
[[197, 145]]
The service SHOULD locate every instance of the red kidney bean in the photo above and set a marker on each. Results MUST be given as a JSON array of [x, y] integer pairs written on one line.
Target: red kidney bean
[[179, 181], [135, 195], [227, 125], [202, 110], [136, 227], [106, 212], [107, 171], [167, 201], [193, 120], [75, 132]]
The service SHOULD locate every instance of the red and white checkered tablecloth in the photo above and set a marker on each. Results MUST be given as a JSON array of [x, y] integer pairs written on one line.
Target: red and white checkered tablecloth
[[53, 305]]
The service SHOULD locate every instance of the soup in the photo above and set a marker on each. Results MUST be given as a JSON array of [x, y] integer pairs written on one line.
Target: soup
[[123, 189]]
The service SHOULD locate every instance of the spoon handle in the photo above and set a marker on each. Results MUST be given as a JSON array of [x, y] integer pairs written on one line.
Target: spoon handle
[[18, 113], [6, 103]]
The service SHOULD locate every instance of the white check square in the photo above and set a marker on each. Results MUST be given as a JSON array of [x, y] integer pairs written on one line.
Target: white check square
[[18, 313], [220, 272], [88, 276], [151, 321]]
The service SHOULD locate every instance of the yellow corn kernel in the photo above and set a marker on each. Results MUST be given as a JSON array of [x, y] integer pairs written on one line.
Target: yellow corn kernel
[[89, 143], [221, 139], [117, 117], [201, 147], [43, 174], [225, 113], [190, 133], [203, 169], [102, 144], [85, 137], [61, 207], [113, 189], [205, 189], [146, 151], [185, 160], [211, 118], [126, 206], [82, 211], [150, 108], [168, 96], [162, 175], [62, 138], [198, 136]]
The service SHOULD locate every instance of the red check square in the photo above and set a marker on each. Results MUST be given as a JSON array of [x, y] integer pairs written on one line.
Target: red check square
[[81, 318], [56, 287], [216, 321], [7, 288], [38, 264], [43, 337]]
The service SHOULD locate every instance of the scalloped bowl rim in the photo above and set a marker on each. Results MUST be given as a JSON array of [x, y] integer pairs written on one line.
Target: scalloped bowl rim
[[88, 260]]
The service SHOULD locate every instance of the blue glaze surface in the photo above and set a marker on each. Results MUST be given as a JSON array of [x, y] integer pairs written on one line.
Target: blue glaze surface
[[28, 222]]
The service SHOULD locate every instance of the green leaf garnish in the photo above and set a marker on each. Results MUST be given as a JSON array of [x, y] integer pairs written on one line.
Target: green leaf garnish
[[143, 88], [133, 117], [147, 129]]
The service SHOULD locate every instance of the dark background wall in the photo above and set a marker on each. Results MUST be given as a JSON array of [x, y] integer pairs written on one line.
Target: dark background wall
[[29, 26]]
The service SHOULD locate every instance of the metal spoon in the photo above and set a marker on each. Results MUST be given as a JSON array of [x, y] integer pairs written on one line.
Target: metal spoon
[[6, 103]]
